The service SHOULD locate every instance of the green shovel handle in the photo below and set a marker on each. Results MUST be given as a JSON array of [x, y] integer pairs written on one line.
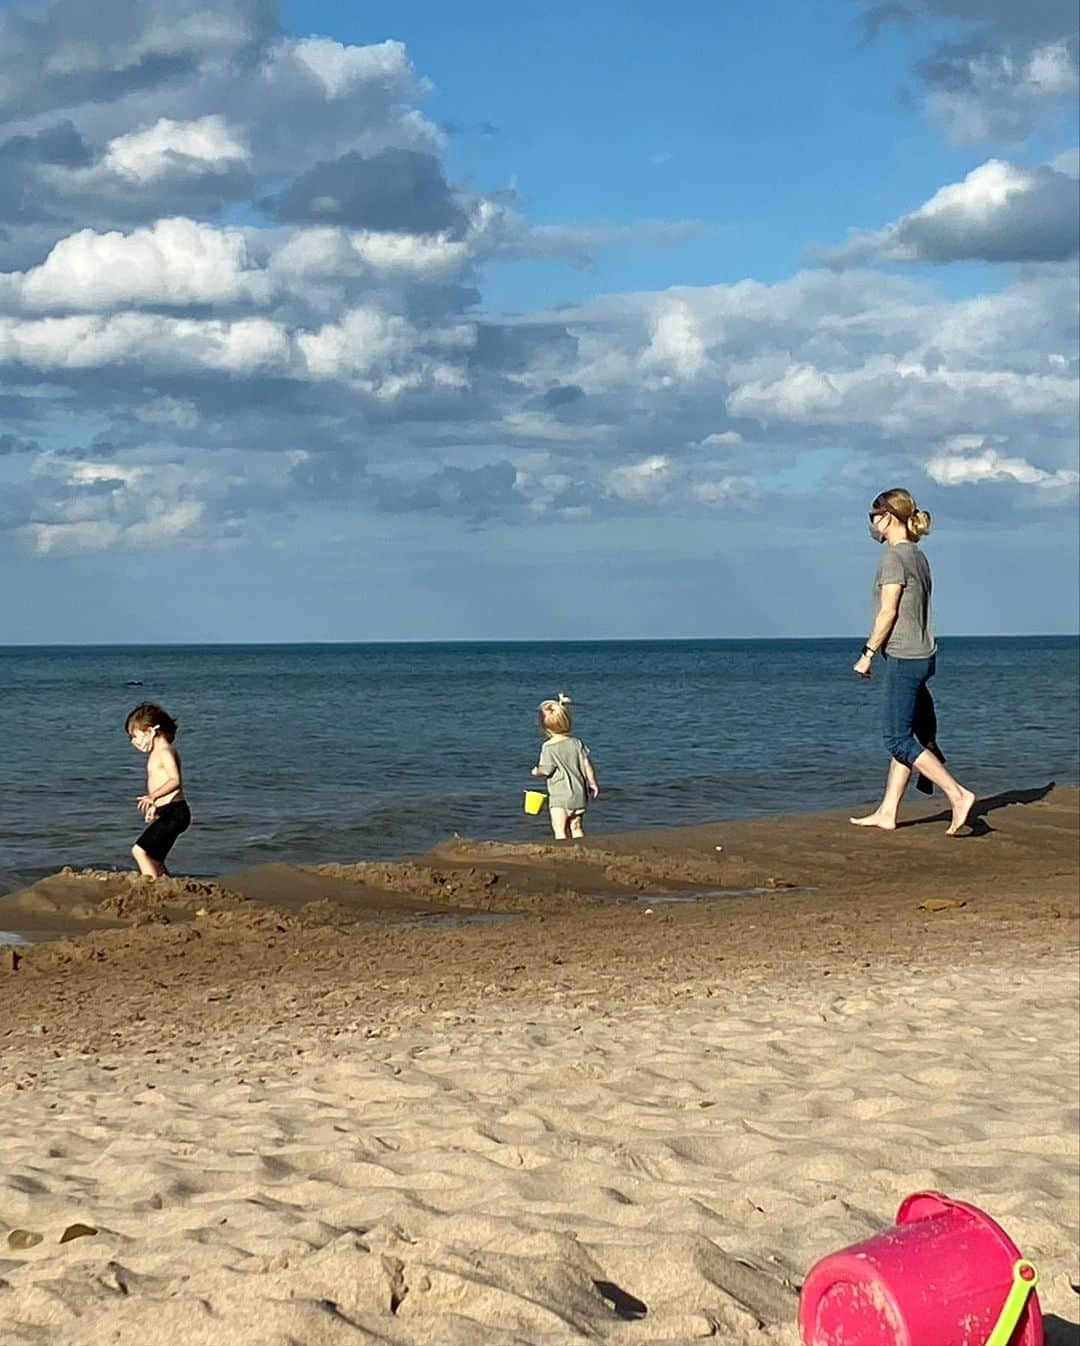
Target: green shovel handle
[[1025, 1279]]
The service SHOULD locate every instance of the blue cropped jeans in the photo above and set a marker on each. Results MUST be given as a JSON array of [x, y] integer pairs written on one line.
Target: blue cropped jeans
[[908, 718]]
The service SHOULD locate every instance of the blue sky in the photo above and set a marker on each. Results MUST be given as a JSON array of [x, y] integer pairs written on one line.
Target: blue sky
[[772, 126], [411, 321]]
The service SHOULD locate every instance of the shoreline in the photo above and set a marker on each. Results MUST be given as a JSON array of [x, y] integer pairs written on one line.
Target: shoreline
[[309, 1114], [655, 836], [777, 886], [18, 880]]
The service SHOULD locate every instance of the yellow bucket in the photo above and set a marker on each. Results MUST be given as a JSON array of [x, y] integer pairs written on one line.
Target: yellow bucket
[[534, 800]]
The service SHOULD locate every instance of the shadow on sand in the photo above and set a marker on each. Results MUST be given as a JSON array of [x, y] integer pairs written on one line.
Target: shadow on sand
[[1059, 1332], [977, 826]]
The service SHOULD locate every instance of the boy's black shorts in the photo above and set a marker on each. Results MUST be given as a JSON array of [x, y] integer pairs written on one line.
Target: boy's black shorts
[[172, 819]]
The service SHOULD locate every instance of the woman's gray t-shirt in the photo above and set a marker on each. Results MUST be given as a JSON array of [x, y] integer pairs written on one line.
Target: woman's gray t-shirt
[[562, 761], [912, 636]]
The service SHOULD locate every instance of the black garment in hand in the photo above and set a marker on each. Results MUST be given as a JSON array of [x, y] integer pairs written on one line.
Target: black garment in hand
[[924, 727]]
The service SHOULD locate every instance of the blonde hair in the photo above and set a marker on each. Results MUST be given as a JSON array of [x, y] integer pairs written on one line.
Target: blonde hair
[[901, 505], [555, 715]]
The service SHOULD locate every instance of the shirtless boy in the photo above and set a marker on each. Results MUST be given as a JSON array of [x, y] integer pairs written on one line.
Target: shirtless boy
[[163, 806]]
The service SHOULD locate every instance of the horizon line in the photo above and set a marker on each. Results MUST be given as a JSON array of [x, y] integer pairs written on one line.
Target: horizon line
[[496, 640]]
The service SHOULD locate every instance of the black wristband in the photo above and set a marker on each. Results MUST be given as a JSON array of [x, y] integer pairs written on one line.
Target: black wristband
[[868, 651]]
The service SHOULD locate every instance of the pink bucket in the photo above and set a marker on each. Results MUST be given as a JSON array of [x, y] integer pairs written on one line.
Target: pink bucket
[[940, 1277]]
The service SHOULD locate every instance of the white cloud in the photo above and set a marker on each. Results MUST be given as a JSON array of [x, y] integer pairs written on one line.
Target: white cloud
[[340, 68], [94, 535], [996, 71], [149, 341], [172, 412], [65, 55], [362, 341], [90, 473], [676, 348], [724, 490], [642, 481], [540, 426], [201, 357], [899, 396], [1000, 212], [800, 393], [998, 96], [314, 98], [162, 521], [383, 353], [1067, 162], [327, 254], [206, 142], [951, 469], [434, 257], [165, 521], [175, 262]]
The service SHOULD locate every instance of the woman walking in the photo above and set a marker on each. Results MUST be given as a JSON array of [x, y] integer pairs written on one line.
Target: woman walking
[[903, 634]]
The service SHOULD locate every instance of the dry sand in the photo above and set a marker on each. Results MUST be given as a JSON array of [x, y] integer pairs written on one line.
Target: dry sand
[[316, 1114]]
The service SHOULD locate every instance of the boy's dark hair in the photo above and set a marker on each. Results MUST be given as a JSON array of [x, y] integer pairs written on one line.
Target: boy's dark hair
[[147, 716]]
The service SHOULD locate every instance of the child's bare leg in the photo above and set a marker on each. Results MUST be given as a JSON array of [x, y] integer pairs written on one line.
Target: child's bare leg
[[577, 825], [148, 866], [559, 823]]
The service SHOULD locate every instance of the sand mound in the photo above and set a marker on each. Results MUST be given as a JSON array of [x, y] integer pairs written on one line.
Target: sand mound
[[462, 886], [632, 870], [97, 894]]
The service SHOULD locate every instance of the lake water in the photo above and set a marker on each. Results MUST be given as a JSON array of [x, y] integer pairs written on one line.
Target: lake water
[[312, 753]]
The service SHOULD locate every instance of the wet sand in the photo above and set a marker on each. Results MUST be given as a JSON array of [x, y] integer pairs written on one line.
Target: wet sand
[[333, 1106]]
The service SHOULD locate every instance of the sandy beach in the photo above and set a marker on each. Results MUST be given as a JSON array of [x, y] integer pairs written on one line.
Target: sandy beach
[[627, 1092]]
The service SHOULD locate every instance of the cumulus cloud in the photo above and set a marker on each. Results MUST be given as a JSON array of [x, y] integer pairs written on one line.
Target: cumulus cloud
[[339, 69], [70, 54], [1000, 212], [998, 69], [88, 504], [331, 355], [141, 497], [396, 190], [610, 407], [183, 108], [647, 480], [979, 464], [383, 353], [320, 255], [1067, 162], [170, 146], [986, 96], [676, 347], [147, 341], [177, 262]]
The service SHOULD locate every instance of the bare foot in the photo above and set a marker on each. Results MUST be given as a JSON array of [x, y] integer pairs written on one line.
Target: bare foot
[[877, 819], [960, 811]]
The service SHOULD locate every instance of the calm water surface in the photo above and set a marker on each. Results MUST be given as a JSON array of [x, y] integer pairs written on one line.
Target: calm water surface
[[341, 752]]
